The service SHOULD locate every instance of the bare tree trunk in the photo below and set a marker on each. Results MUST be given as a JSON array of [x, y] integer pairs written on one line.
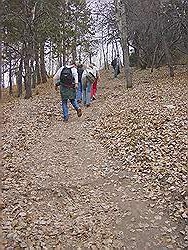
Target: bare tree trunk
[[10, 74], [64, 7], [122, 23], [154, 57], [50, 59], [168, 56], [100, 59], [74, 54], [136, 46], [90, 57], [1, 52], [42, 64], [37, 65], [107, 51], [60, 63], [165, 45], [103, 50], [19, 78], [104, 56], [28, 92], [112, 53], [33, 74], [63, 51], [1, 78], [117, 49], [52, 66], [80, 55]]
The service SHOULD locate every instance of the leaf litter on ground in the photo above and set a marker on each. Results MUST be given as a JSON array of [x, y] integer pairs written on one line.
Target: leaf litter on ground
[[51, 200]]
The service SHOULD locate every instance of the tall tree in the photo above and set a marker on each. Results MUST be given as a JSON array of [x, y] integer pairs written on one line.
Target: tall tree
[[122, 24]]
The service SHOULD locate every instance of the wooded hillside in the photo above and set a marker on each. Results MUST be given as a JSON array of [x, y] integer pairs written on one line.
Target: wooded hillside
[[39, 36]]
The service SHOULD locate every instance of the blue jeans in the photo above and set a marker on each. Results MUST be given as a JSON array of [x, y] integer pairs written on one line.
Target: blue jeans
[[86, 90], [79, 91], [65, 107]]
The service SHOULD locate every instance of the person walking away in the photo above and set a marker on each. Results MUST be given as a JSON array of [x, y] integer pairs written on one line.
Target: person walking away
[[80, 71], [116, 66], [94, 86], [88, 79], [67, 79]]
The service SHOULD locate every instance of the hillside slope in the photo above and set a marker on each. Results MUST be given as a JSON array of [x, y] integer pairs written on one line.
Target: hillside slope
[[113, 179]]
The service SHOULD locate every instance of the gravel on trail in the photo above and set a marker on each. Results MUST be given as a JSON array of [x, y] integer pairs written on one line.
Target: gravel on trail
[[116, 178]]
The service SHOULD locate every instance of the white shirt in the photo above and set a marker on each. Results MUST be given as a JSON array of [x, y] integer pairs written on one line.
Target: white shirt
[[89, 70], [74, 73], [96, 71]]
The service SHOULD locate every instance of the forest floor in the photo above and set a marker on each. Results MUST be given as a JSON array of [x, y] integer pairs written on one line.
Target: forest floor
[[113, 179]]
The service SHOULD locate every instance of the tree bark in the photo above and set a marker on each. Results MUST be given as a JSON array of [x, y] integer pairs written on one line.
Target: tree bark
[[37, 66], [10, 74], [154, 57], [64, 53], [168, 56], [19, 78], [103, 50], [60, 63], [104, 56], [107, 51], [117, 49], [64, 8], [74, 54], [1, 78], [122, 24], [165, 44], [100, 59], [33, 74], [112, 52], [28, 92], [42, 64], [50, 60], [80, 55]]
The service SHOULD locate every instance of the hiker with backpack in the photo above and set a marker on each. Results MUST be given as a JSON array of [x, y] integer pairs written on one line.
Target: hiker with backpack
[[80, 71], [116, 66], [67, 79], [88, 78], [94, 85]]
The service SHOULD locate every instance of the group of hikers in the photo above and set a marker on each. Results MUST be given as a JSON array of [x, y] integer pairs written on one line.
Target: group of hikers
[[78, 84]]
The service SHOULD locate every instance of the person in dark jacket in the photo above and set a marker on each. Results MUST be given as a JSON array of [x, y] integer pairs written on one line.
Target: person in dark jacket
[[80, 71], [116, 66], [67, 79]]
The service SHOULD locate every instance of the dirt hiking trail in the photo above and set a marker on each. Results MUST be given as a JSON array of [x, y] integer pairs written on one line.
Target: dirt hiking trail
[[63, 188]]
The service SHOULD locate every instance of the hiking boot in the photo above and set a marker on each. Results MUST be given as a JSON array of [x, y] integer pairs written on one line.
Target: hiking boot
[[65, 120], [88, 105], [79, 112]]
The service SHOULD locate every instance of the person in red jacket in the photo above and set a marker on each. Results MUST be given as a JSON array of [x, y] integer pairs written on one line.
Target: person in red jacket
[[94, 86]]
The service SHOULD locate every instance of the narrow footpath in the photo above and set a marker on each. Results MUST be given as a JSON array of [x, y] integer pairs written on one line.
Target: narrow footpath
[[62, 189]]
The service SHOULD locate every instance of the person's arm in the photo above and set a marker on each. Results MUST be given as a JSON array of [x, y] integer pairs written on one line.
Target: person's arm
[[97, 74], [75, 75], [56, 78], [120, 63]]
